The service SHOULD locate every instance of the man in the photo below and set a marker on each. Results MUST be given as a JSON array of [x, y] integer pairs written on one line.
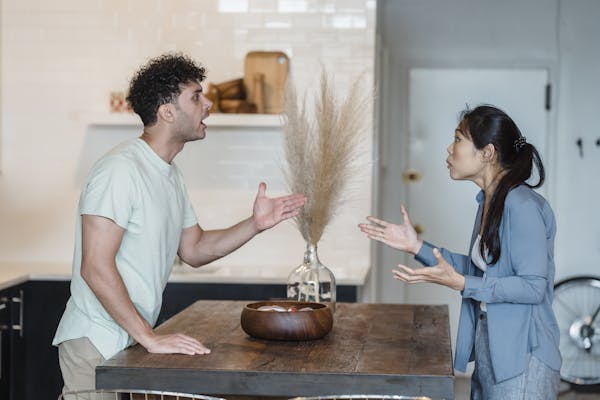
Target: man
[[135, 217]]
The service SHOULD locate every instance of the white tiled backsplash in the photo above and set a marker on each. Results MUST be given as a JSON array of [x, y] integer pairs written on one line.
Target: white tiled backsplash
[[62, 58]]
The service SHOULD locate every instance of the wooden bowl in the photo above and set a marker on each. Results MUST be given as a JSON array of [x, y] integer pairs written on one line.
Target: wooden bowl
[[289, 325], [233, 89], [237, 106]]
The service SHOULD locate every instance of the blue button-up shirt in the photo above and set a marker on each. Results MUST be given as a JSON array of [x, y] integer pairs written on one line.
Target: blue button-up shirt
[[517, 288]]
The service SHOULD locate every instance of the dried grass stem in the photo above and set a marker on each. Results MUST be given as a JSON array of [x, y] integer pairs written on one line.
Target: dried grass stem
[[322, 155]]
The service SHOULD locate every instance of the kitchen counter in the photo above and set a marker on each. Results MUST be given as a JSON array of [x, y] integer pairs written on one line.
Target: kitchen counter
[[12, 274]]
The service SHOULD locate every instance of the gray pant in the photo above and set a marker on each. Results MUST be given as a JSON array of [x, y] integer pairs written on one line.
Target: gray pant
[[537, 382]]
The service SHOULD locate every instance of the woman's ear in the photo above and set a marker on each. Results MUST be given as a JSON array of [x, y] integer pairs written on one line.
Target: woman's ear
[[489, 153]]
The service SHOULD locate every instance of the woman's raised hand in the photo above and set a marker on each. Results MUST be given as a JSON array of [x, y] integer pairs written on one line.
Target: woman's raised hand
[[402, 237], [442, 273]]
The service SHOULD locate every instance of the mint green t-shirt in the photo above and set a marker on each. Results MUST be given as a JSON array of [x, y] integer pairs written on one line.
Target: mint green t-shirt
[[146, 196]]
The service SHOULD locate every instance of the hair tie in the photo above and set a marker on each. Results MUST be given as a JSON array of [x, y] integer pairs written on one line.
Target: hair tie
[[519, 143]]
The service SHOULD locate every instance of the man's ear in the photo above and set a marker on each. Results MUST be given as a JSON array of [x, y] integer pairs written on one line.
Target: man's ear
[[166, 112]]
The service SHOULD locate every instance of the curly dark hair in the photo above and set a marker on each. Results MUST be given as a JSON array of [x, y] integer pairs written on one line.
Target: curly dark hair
[[159, 82]]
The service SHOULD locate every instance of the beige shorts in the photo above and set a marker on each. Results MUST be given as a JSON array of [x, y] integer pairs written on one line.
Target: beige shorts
[[78, 360]]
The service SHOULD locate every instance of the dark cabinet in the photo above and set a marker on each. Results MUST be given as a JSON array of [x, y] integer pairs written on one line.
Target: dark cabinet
[[178, 296], [44, 304], [12, 342], [5, 323], [29, 315]]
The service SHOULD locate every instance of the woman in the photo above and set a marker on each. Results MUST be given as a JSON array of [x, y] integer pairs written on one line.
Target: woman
[[506, 324]]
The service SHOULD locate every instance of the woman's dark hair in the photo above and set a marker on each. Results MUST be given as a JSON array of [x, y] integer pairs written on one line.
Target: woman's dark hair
[[487, 124], [160, 82]]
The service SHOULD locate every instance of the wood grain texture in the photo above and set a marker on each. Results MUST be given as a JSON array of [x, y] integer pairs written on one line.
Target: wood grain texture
[[372, 349], [274, 68]]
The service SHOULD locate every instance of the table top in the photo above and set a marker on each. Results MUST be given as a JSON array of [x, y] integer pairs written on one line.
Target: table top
[[396, 349]]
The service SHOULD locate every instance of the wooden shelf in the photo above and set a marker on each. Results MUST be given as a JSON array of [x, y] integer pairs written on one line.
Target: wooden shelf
[[217, 119]]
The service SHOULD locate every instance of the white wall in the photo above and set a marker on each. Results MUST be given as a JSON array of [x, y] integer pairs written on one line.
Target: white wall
[[60, 59], [561, 36], [578, 187]]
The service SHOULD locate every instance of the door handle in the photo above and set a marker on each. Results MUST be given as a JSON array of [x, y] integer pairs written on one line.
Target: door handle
[[3, 327], [3, 306], [19, 300], [411, 176], [419, 228]]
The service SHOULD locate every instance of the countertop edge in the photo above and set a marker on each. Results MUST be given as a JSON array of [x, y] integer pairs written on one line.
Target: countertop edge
[[16, 274]]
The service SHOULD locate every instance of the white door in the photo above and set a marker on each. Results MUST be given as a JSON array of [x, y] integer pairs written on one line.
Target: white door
[[445, 209]]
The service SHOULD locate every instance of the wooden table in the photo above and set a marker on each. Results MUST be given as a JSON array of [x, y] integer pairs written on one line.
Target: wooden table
[[395, 349]]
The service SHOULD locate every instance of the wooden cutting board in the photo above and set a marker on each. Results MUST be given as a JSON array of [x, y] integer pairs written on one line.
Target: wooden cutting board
[[274, 67]]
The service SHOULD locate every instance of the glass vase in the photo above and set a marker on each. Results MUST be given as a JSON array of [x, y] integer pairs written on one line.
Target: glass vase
[[312, 281]]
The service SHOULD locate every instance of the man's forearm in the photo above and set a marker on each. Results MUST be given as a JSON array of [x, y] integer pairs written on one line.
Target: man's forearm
[[214, 244], [109, 288]]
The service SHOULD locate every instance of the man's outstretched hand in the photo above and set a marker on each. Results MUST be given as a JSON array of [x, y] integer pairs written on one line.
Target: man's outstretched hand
[[268, 212]]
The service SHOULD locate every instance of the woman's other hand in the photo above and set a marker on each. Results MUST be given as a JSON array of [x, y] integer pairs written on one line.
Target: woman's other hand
[[402, 237], [442, 274]]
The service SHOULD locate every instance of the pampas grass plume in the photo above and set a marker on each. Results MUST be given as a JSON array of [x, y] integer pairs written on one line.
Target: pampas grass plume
[[322, 150]]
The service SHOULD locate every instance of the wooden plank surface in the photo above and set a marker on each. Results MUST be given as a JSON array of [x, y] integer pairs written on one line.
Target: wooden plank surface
[[372, 349]]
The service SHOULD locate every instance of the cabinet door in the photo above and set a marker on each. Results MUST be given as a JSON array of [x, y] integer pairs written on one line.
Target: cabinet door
[[12, 345], [18, 384], [44, 305], [4, 345], [28, 320]]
